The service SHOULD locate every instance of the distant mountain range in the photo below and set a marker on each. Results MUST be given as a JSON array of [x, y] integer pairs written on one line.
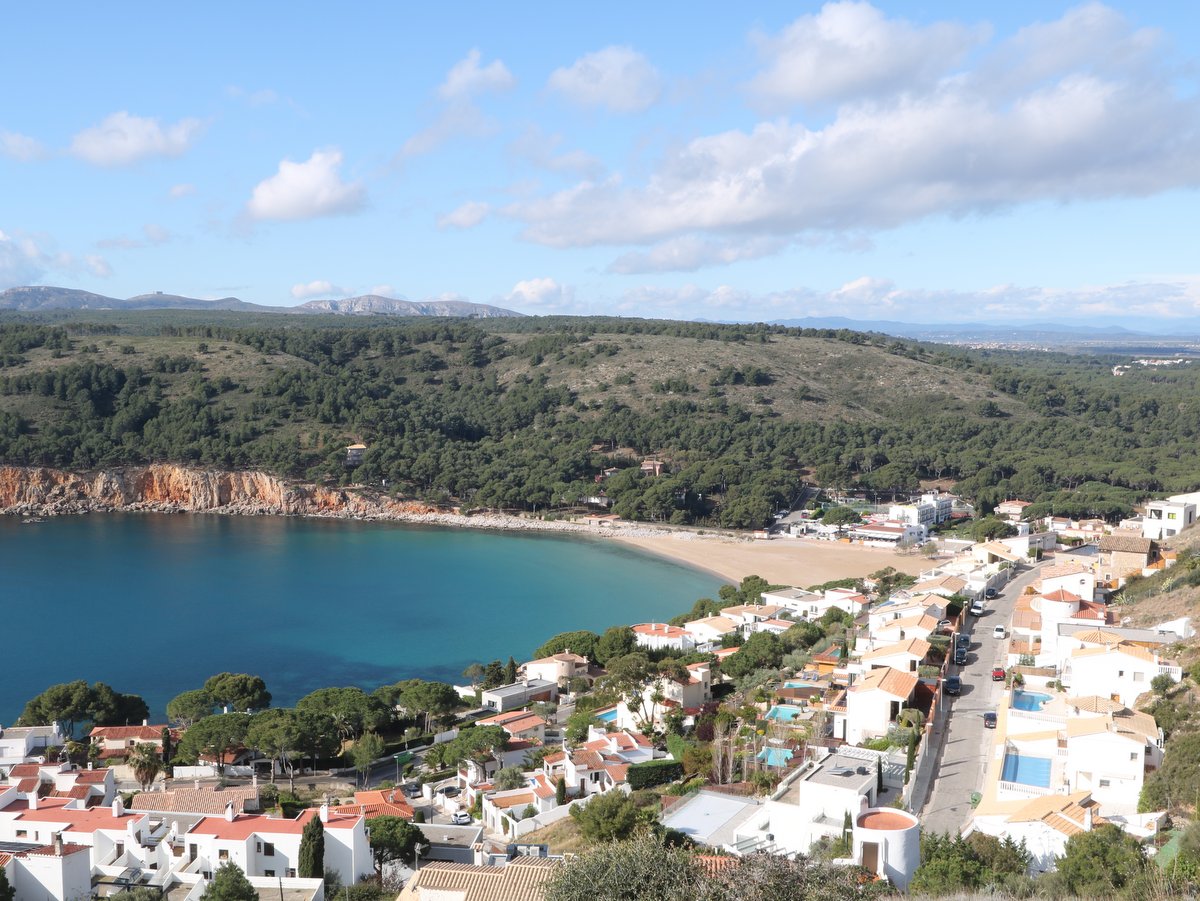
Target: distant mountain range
[[921, 329], [38, 299]]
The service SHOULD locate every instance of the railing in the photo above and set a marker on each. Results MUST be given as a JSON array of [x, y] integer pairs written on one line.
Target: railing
[[1025, 791]]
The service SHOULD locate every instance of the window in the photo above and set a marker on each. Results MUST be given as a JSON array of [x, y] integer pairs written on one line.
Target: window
[[120, 848], [22, 833], [268, 872], [291, 873], [1139, 677], [1120, 674], [268, 849], [223, 854], [1133, 755], [1104, 783]]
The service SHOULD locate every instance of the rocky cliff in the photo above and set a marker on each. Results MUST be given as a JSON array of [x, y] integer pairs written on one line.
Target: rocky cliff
[[41, 492]]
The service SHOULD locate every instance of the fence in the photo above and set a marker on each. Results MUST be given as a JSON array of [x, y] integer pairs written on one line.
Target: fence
[[208, 772], [546, 818]]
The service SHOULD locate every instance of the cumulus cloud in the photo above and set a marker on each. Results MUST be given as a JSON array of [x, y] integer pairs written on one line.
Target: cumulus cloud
[[468, 215], [619, 79], [542, 295], [853, 50], [540, 149], [961, 146], [26, 259], [306, 190], [318, 288], [122, 139], [467, 78], [21, 148], [460, 120]]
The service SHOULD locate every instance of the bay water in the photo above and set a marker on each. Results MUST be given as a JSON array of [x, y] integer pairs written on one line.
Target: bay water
[[153, 604]]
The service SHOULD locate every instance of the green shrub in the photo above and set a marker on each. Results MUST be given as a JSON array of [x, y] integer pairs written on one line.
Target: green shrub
[[654, 772]]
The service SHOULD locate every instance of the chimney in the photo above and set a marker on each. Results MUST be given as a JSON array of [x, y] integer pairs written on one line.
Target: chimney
[[91, 765], [58, 844], [33, 800], [229, 817], [196, 784], [1087, 819], [145, 722], [324, 813], [118, 807]]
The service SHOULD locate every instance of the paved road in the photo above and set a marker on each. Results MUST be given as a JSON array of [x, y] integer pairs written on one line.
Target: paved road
[[962, 762]]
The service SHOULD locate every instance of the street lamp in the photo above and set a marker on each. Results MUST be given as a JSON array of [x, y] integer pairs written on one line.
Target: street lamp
[[396, 757]]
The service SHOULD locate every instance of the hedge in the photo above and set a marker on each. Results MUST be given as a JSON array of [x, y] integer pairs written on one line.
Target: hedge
[[654, 772]]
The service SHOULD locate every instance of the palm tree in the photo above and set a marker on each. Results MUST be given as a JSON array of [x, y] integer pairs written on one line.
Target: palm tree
[[146, 765]]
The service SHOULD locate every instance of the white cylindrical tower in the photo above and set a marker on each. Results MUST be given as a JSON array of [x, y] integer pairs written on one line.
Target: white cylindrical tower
[[887, 841]]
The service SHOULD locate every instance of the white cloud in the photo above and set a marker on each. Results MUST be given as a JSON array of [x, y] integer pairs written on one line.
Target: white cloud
[[26, 259], [957, 147], [122, 139], [459, 120], [543, 295], [306, 190], [871, 297], [181, 190], [467, 78], [852, 50], [318, 288], [619, 79], [539, 149], [691, 252], [21, 148], [468, 215], [383, 290], [156, 234]]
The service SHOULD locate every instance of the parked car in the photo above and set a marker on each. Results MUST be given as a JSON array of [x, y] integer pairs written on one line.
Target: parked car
[[977, 608], [999, 632], [991, 594], [412, 789], [997, 674], [960, 656], [943, 624], [962, 640], [461, 818], [450, 791], [953, 685], [989, 720]]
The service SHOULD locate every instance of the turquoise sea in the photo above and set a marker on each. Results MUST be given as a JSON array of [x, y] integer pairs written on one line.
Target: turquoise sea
[[153, 604]]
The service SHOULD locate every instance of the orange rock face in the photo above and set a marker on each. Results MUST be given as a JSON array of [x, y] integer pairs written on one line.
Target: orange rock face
[[42, 491]]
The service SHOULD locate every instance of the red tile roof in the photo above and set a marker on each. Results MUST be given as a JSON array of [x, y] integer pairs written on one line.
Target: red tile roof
[[246, 825], [124, 733]]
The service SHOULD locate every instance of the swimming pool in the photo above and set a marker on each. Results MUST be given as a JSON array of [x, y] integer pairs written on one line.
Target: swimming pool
[[607, 716], [1029, 700], [777, 757], [1026, 770], [783, 713]]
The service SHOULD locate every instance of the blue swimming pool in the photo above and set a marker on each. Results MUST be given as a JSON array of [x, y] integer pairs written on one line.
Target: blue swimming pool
[[783, 713], [1029, 700], [777, 757], [1026, 770], [607, 716]]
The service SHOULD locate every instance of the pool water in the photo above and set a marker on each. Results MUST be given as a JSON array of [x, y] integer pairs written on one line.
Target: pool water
[[607, 716], [1029, 700], [777, 757], [783, 713], [1026, 770]]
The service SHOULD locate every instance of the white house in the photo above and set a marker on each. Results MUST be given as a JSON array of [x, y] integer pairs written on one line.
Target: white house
[[1012, 510], [28, 744], [1170, 517], [557, 668], [1122, 671], [1108, 755], [1045, 824], [1070, 575], [748, 614], [874, 702], [662, 695], [519, 694], [889, 532], [519, 724], [905, 656], [921, 513], [920, 625], [711, 629], [663, 637]]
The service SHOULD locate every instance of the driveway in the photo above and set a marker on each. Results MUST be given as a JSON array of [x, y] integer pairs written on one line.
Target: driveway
[[962, 757]]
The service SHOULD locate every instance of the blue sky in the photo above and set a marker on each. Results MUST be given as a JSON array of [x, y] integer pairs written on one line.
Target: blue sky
[[912, 161]]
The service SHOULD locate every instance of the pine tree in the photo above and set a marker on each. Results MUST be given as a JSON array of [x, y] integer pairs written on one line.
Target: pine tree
[[510, 672], [311, 864], [7, 892], [560, 792]]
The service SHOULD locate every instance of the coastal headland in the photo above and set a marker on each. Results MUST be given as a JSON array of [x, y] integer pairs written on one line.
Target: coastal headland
[[166, 488]]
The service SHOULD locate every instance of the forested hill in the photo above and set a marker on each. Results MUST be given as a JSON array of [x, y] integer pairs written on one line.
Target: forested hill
[[524, 413]]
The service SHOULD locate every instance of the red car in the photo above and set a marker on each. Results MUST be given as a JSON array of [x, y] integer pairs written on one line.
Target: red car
[[998, 674]]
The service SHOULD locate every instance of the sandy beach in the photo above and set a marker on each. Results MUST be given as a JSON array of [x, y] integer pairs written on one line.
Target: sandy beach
[[782, 561]]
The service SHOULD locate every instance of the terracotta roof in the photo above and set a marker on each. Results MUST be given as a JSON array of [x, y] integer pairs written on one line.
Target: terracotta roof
[[90, 777], [1095, 704], [28, 784], [617, 771], [124, 733], [952, 583], [196, 800], [24, 769], [923, 621], [561, 657], [1096, 636], [916, 647], [721, 624], [509, 801], [1129, 650], [1062, 596], [51, 851], [542, 787], [589, 759], [522, 879], [1003, 551], [74, 820], [763, 610], [888, 680], [664, 630], [556, 757], [1058, 570], [1126, 544], [248, 824], [514, 721], [1064, 813]]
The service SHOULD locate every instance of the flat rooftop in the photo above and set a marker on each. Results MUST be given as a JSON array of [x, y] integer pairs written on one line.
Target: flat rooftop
[[519, 688], [711, 818], [842, 771]]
